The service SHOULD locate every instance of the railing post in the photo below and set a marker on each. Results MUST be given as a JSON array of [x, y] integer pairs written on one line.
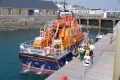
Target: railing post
[[99, 25], [113, 23], [87, 24]]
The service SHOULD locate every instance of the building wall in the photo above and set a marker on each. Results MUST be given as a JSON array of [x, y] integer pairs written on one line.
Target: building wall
[[98, 11], [36, 13], [84, 11], [4, 11], [94, 11], [14, 11], [24, 11], [50, 12], [111, 14], [43, 12]]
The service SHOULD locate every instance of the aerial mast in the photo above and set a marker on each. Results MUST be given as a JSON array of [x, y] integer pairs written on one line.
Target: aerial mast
[[64, 5]]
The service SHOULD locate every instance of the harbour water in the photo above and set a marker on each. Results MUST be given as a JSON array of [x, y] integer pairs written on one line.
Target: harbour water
[[10, 66]]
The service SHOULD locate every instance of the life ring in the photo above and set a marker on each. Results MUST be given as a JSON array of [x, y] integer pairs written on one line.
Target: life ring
[[48, 51], [41, 34]]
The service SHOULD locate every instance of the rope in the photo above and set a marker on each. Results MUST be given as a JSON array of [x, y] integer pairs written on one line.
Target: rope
[[104, 50]]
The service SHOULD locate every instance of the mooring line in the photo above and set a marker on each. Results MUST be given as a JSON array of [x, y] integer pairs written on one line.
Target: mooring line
[[105, 50]]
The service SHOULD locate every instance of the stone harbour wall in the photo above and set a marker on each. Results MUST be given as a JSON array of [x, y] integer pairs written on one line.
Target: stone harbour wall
[[23, 22]]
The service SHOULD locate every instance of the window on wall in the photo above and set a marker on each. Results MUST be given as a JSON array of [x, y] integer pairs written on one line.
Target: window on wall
[[20, 11], [9, 11], [31, 12], [47, 12], [40, 12], [54, 12]]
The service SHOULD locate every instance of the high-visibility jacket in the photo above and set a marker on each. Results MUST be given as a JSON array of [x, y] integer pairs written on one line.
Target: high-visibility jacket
[[61, 43], [78, 49], [87, 51], [74, 40]]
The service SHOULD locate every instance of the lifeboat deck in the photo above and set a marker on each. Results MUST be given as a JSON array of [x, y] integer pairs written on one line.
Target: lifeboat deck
[[28, 49], [102, 67]]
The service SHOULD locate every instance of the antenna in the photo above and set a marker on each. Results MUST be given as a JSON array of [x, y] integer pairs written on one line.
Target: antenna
[[64, 5]]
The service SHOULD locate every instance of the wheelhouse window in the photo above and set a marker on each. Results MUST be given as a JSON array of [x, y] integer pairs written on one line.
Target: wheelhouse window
[[9, 11], [78, 30], [20, 11], [40, 12], [47, 12]]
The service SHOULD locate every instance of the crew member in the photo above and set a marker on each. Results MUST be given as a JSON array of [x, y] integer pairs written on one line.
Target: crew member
[[86, 45], [81, 53], [90, 40], [92, 47], [75, 44], [74, 41], [87, 51], [61, 45]]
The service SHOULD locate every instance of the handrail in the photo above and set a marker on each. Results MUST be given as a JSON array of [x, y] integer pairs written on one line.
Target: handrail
[[48, 24], [27, 44], [110, 31]]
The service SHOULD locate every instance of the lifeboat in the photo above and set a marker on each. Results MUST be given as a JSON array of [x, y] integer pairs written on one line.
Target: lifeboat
[[56, 45]]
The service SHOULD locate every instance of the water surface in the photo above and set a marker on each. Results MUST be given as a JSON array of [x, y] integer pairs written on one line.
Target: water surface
[[10, 66]]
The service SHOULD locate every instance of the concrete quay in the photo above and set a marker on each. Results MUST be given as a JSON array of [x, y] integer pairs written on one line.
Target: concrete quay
[[101, 69]]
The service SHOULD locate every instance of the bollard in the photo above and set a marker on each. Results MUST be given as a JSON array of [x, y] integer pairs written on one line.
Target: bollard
[[111, 36], [64, 78]]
